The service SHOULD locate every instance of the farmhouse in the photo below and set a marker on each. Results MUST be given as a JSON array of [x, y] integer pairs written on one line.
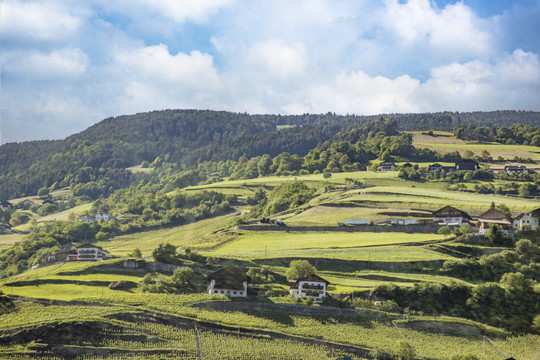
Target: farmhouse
[[439, 167], [64, 255], [511, 169], [312, 285], [230, 281], [494, 217], [527, 221], [90, 252], [449, 215], [5, 205], [467, 165], [386, 166], [86, 219]]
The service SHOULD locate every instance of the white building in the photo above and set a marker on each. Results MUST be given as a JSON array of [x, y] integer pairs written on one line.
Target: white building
[[527, 221], [90, 252], [312, 285], [449, 215], [230, 281], [105, 216]]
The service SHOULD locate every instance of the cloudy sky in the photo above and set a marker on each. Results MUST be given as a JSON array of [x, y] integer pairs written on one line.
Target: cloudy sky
[[67, 64]]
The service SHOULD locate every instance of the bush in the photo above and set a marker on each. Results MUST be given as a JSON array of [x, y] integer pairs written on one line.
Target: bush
[[121, 285]]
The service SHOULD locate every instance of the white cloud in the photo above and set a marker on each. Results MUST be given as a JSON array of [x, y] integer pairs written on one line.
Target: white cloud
[[57, 64], [39, 20], [359, 93], [512, 82], [277, 58], [151, 78], [520, 67], [156, 64], [454, 29], [181, 10]]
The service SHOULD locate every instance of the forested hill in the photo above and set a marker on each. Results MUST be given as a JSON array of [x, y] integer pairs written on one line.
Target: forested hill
[[187, 137]]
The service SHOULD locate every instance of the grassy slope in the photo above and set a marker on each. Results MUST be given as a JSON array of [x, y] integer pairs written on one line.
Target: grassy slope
[[446, 144], [254, 244], [195, 235]]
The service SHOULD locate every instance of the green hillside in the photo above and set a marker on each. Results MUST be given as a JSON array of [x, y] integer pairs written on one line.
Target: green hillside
[[444, 291]]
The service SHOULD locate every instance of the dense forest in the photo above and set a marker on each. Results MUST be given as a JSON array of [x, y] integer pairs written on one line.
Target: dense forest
[[101, 153]]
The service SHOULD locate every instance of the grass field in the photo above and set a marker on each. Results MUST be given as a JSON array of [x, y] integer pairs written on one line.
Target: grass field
[[254, 244], [447, 144], [196, 235], [6, 240], [432, 199]]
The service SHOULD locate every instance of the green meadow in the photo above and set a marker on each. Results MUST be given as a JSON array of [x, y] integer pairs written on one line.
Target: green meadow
[[255, 244]]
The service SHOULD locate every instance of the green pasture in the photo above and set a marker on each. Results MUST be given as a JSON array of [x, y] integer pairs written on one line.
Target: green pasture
[[389, 253], [65, 292], [369, 279], [432, 199], [254, 244], [7, 240], [332, 215], [200, 234], [495, 150]]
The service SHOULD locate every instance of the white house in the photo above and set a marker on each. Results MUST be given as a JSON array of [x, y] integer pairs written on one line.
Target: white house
[[386, 166], [90, 252], [449, 215], [527, 221], [312, 285], [230, 281], [105, 216], [511, 169]]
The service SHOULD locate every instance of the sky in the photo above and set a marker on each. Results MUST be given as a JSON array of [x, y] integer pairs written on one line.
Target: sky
[[68, 64]]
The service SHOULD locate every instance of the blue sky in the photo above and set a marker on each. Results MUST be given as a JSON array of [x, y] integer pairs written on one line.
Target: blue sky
[[69, 64]]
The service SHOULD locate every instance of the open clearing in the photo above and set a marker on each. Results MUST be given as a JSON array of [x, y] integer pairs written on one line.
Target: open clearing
[[252, 244], [195, 235], [447, 144]]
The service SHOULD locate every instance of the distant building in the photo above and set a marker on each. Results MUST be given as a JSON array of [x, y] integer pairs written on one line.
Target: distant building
[[402, 222], [230, 281], [449, 215], [494, 217], [386, 166], [103, 215], [312, 285], [64, 255], [527, 221], [355, 222], [91, 252], [407, 165], [86, 219], [467, 165], [511, 169], [5, 205], [439, 167]]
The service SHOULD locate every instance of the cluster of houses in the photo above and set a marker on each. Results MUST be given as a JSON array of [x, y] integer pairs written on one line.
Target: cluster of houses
[[462, 165], [451, 216], [89, 219], [233, 282]]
